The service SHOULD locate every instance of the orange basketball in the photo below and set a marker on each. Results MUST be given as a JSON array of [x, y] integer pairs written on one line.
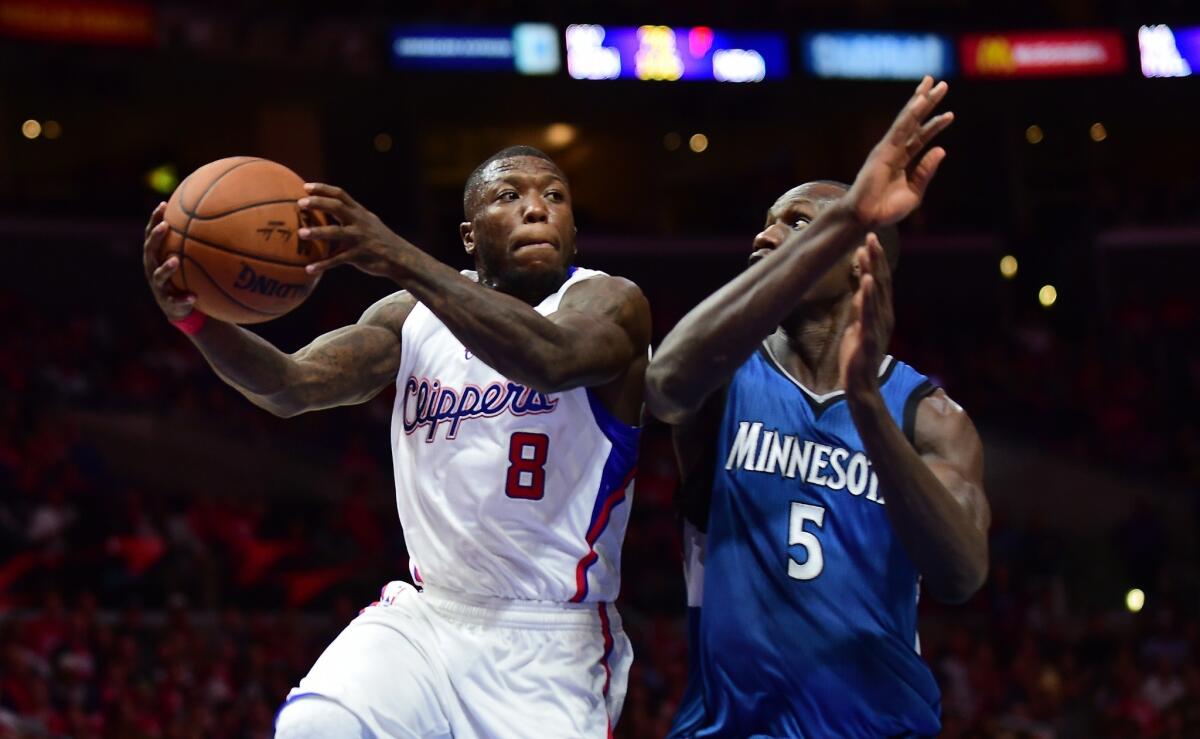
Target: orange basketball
[[233, 223]]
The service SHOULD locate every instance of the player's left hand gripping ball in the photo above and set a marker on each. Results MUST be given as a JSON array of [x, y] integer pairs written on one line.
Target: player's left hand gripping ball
[[360, 238]]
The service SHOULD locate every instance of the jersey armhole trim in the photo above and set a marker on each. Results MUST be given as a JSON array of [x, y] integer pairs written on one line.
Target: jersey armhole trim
[[919, 393]]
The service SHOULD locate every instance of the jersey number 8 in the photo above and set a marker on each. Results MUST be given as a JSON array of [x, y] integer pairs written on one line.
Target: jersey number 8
[[527, 466]]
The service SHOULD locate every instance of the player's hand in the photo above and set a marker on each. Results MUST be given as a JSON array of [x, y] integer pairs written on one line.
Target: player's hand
[[175, 303], [866, 340], [358, 236], [894, 177]]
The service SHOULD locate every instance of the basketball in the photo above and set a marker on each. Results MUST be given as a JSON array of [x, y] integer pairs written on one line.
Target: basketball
[[233, 224]]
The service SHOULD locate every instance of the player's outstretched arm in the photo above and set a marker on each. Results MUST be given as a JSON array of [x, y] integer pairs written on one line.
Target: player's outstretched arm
[[704, 349], [933, 485], [343, 367], [601, 327]]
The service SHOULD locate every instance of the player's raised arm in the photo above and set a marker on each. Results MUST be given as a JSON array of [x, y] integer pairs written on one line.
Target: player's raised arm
[[935, 500], [715, 338], [343, 367], [601, 327]]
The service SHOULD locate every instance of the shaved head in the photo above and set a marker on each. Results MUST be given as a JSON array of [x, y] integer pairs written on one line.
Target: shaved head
[[825, 192], [488, 167]]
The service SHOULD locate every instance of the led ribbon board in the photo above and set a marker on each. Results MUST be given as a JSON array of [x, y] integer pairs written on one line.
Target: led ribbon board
[[527, 48], [666, 54], [1169, 52], [1042, 54], [877, 55]]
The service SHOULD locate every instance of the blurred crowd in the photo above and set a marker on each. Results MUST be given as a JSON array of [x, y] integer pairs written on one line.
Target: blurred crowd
[[135, 610]]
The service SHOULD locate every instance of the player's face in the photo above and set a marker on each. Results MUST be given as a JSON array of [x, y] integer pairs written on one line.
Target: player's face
[[793, 212], [523, 232]]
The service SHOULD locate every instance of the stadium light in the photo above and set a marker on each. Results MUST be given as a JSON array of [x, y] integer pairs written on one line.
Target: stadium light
[[1135, 600]]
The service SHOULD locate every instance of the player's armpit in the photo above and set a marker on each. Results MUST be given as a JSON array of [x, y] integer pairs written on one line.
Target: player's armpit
[[603, 328], [349, 365]]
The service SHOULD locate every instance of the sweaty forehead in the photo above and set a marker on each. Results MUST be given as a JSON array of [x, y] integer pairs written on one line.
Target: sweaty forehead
[[816, 195], [519, 166]]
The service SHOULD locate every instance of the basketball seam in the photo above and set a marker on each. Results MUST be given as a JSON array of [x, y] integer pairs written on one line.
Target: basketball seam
[[211, 185], [232, 299], [183, 243], [191, 215], [231, 250], [239, 209]]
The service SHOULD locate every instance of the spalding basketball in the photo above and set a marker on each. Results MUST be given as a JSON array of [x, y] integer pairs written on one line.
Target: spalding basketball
[[233, 224]]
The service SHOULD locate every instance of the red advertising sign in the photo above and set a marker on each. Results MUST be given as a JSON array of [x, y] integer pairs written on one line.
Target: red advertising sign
[[1042, 54], [100, 22]]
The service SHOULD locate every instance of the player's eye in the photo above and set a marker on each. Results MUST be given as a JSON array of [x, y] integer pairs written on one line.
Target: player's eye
[[555, 196], [508, 195], [801, 222]]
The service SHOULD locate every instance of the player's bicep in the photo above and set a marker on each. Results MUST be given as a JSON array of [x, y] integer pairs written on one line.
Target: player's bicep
[[950, 445], [604, 324], [352, 364]]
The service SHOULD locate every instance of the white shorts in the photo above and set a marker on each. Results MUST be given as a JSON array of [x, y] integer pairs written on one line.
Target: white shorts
[[432, 664]]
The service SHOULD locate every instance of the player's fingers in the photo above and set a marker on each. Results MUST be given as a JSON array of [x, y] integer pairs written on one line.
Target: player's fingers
[[928, 132], [880, 269], [334, 207], [328, 233], [926, 167], [864, 264], [164, 272], [317, 268], [153, 244], [923, 101], [329, 191], [907, 114], [156, 217], [180, 300], [868, 313]]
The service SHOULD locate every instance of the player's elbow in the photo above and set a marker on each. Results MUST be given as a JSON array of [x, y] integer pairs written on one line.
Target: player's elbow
[[665, 394], [960, 585], [279, 405]]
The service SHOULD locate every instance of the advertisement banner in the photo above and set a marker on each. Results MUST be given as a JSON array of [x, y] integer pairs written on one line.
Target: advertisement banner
[[1042, 54], [666, 54], [526, 48], [79, 21], [1169, 52], [877, 55]]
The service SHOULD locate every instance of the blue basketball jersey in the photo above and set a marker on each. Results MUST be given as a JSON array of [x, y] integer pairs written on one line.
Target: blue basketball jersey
[[802, 603]]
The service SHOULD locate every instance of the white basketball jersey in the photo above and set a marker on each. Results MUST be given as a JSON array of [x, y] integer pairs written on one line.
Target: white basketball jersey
[[504, 491]]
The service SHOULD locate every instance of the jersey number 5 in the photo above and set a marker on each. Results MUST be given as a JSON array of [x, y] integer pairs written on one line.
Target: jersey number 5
[[527, 466], [797, 536]]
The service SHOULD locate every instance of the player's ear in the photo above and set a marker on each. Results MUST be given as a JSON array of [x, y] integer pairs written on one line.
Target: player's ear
[[467, 233]]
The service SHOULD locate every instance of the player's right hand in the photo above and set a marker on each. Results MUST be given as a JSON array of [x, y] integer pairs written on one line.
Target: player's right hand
[[174, 303], [893, 179]]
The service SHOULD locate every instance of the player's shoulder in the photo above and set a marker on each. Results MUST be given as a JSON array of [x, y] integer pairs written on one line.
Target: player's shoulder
[[604, 293], [586, 285], [940, 420], [389, 311]]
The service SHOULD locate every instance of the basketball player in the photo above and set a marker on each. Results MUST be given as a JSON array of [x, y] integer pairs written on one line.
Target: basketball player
[[822, 479], [514, 435]]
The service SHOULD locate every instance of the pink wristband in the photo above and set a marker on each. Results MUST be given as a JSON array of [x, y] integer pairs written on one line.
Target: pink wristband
[[191, 323]]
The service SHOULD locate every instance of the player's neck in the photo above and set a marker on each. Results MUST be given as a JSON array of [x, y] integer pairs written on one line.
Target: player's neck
[[808, 341], [530, 291]]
